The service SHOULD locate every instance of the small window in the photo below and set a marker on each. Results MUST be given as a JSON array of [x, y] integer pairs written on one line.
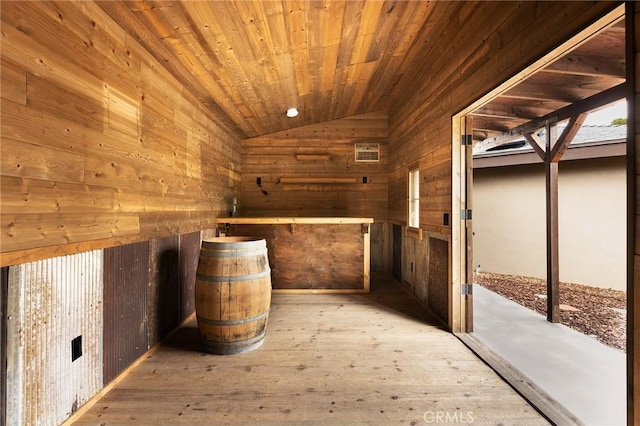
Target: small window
[[414, 198]]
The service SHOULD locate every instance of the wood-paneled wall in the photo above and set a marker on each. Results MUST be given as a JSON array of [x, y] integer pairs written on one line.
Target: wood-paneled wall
[[481, 45], [100, 144], [310, 171]]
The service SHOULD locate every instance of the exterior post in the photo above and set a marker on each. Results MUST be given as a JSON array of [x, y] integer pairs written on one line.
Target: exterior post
[[553, 268]]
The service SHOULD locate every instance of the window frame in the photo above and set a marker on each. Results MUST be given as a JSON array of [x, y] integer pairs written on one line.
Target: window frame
[[413, 211], [413, 203]]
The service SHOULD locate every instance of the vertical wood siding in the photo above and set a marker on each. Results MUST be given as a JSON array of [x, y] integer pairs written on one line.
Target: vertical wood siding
[[312, 256], [126, 278], [52, 302], [472, 56]]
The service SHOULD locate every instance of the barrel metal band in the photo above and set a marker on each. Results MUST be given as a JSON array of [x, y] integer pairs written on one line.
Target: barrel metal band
[[232, 322], [233, 253], [218, 279], [234, 245], [229, 348]]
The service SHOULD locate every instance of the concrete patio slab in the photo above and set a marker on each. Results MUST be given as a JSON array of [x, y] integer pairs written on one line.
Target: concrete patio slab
[[587, 377]]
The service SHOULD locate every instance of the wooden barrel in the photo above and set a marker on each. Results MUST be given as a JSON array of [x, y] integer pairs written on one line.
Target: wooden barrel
[[233, 294]]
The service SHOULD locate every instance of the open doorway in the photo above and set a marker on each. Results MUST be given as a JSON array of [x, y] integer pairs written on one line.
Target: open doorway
[[540, 112]]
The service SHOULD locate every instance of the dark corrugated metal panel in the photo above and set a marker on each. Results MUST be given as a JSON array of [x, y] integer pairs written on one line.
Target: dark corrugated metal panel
[[126, 278], [164, 312], [4, 287], [189, 255]]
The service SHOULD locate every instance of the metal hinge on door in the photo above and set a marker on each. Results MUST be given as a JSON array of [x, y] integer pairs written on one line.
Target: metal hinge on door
[[466, 140], [465, 214], [466, 289]]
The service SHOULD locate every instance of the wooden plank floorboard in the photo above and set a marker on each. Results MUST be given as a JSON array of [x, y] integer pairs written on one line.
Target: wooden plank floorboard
[[374, 358]]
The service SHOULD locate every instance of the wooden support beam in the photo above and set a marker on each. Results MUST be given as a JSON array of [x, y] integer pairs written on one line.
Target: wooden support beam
[[313, 157], [506, 112], [566, 137], [551, 156], [584, 106], [592, 66], [285, 220], [540, 92], [588, 104], [312, 180], [536, 147], [553, 269], [491, 127]]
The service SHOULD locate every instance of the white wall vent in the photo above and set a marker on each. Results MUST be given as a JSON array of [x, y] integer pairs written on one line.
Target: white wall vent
[[367, 152]]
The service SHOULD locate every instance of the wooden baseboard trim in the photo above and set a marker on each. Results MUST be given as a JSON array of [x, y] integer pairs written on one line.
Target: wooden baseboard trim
[[87, 406]]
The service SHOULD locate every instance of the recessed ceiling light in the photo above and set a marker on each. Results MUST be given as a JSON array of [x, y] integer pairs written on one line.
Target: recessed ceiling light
[[292, 112]]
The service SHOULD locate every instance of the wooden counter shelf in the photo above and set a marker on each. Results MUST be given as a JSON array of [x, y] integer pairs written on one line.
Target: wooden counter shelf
[[311, 254]]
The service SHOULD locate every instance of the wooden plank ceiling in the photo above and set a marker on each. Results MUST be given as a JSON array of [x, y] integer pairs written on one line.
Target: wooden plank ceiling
[[589, 69], [249, 61]]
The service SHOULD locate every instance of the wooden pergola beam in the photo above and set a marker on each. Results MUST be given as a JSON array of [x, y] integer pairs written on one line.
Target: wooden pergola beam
[[506, 112], [573, 64], [584, 106], [551, 155], [536, 147], [569, 132]]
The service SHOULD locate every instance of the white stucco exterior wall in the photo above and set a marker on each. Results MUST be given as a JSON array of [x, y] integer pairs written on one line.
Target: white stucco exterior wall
[[509, 221]]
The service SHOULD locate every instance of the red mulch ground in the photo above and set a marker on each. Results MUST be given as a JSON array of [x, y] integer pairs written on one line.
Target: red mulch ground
[[594, 317]]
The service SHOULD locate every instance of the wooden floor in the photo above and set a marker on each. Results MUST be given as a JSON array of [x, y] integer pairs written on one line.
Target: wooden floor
[[344, 359]]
